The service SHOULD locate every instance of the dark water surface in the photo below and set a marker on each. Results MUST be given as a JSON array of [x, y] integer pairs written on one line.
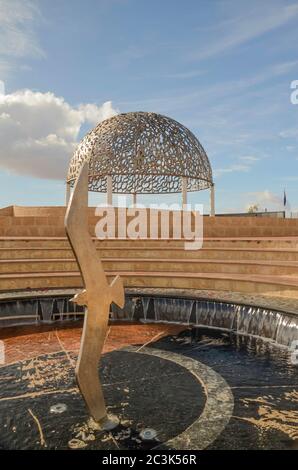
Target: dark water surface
[[264, 382], [147, 391], [143, 391]]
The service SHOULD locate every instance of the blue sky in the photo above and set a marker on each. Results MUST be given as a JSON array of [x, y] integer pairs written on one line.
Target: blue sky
[[222, 68]]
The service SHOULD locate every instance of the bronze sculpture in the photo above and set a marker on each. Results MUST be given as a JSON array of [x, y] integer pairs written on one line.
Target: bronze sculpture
[[97, 297]]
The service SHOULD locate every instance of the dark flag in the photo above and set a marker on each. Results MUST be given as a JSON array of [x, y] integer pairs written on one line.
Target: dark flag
[[285, 198]]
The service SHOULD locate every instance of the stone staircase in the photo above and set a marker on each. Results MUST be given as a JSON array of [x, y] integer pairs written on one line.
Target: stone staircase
[[257, 255], [264, 265]]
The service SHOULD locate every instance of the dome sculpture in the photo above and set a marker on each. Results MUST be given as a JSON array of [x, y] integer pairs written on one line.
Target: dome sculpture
[[142, 152]]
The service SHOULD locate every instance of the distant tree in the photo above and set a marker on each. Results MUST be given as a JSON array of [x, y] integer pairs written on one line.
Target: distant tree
[[253, 208]]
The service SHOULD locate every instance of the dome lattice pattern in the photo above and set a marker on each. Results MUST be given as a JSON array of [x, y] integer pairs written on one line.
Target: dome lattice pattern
[[144, 153]]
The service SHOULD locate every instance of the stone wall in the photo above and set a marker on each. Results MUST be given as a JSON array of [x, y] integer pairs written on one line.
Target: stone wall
[[18, 221]]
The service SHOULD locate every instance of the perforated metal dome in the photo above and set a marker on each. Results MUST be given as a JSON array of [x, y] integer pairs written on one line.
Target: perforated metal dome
[[143, 153]]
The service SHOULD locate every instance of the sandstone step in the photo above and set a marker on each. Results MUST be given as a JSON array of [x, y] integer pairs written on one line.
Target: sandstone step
[[204, 253], [235, 253], [204, 266], [266, 285], [36, 253], [213, 227], [60, 242], [41, 242], [278, 268]]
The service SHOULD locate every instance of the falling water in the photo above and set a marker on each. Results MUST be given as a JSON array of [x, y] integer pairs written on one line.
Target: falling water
[[287, 331], [60, 307], [169, 310], [145, 304], [17, 311], [254, 321], [46, 309], [277, 326], [126, 313], [32, 310]]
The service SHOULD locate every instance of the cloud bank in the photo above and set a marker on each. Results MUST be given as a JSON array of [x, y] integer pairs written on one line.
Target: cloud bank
[[267, 199], [18, 39], [39, 131]]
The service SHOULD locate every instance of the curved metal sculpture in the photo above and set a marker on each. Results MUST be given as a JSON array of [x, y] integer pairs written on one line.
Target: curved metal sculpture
[[143, 153], [97, 297]]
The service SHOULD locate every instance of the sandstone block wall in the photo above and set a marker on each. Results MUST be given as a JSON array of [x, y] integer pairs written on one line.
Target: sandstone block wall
[[18, 221]]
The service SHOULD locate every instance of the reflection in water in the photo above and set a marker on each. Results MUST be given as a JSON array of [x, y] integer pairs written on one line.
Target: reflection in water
[[263, 379], [270, 417]]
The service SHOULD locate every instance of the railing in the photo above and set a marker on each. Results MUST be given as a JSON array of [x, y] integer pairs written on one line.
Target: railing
[[276, 214]]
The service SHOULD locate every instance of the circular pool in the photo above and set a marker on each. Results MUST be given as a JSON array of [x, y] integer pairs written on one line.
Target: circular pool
[[196, 373]]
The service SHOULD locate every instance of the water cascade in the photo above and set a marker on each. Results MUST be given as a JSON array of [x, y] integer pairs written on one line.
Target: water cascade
[[280, 327]]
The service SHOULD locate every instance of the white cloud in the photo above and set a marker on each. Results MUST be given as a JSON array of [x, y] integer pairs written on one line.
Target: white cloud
[[231, 169], [252, 23], [17, 37], [94, 114], [39, 131], [245, 164], [2, 87], [249, 159], [289, 133], [266, 200]]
